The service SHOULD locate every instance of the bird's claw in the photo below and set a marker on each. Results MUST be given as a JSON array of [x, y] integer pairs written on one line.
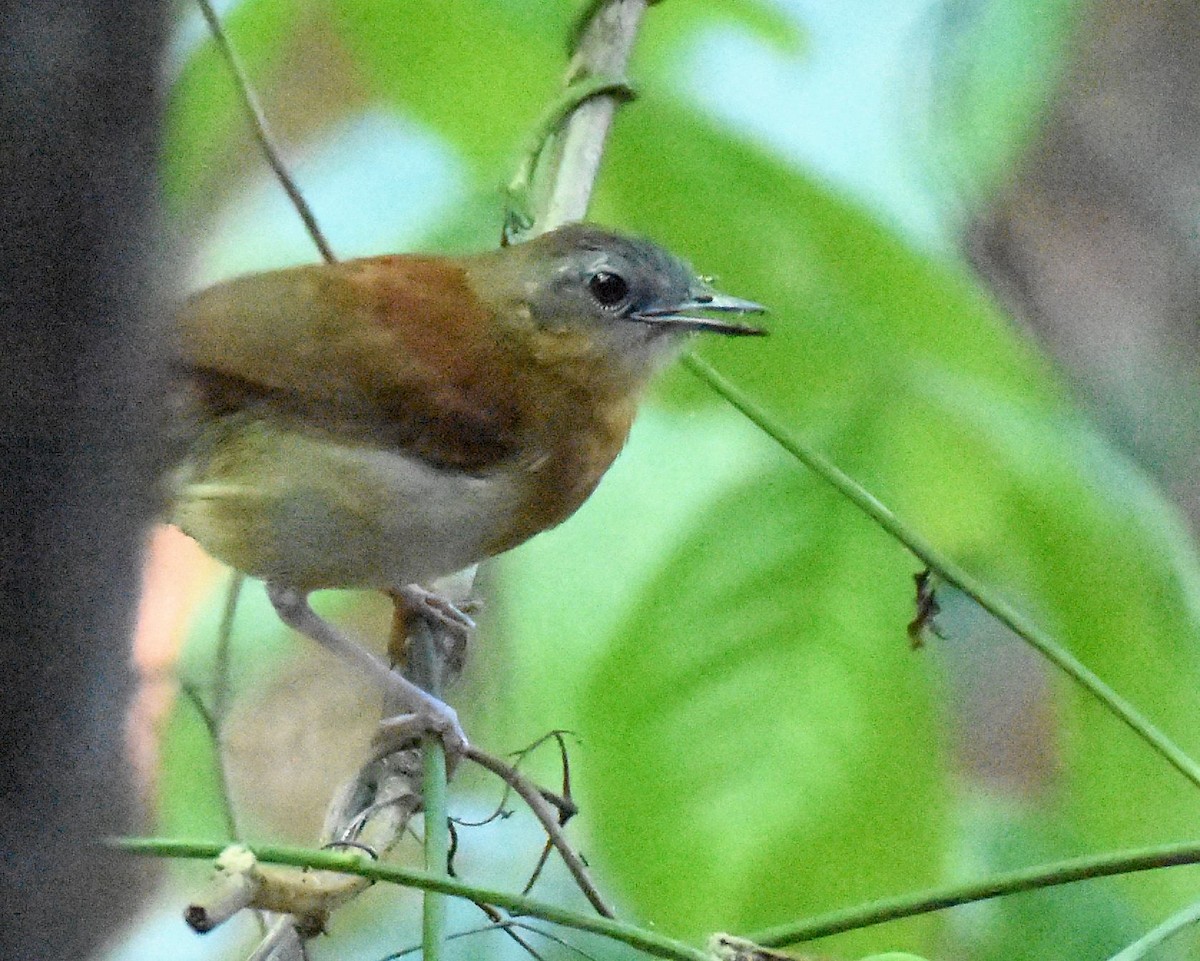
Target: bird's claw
[[440, 610], [404, 730]]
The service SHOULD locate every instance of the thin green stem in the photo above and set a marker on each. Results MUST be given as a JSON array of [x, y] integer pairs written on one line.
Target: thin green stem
[[548, 125], [214, 720], [1174, 925], [426, 666], [437, 846], [212, 726], [360, 865], [1011, 882], [948, 571], [221, 672]]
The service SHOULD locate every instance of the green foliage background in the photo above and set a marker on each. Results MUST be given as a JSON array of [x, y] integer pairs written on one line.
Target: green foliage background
[[725, 636]]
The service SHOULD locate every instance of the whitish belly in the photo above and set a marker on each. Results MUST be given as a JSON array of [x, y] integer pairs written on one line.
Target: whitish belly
[[313, 514]]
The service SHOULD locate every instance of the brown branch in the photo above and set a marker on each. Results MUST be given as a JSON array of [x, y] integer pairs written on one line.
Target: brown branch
[[531, 794], [258, 123]]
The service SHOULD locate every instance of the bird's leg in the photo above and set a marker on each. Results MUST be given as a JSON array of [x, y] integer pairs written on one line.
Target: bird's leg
[[516, 194], [427, 713]]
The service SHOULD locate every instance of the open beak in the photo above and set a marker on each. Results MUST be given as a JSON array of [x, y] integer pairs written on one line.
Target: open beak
[[679, 318]]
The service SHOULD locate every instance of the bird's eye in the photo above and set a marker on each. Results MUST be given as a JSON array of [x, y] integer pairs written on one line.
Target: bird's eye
[[609, 289]]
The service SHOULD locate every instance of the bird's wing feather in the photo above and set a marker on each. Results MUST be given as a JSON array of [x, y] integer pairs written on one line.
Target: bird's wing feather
[[392, 351]]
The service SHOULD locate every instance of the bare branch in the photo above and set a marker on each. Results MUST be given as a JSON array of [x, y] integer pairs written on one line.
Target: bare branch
[[258, 123], [532, 796], [603, 50]]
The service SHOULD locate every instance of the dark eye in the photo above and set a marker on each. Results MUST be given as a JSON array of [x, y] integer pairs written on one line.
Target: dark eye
[[609, 289]]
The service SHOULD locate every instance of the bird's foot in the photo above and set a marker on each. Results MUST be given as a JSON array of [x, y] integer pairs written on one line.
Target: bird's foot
[[427, 714], [403, 731], [454, 620], [438, 609]]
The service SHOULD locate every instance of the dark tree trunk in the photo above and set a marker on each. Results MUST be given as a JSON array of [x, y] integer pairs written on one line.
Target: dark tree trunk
[[79, 367]]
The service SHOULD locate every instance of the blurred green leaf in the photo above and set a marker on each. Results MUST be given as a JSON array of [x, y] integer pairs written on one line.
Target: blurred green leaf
[[670, 29], [758, 729], [920, 388], [970, 437], [471, 71], [850, 301], [1103, 562], [481, 74], [563, 594]]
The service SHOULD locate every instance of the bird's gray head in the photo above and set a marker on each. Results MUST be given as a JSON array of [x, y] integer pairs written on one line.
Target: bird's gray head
[[629, 294]]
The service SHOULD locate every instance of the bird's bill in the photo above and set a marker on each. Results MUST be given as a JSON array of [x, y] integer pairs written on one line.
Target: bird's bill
[[678, 318]]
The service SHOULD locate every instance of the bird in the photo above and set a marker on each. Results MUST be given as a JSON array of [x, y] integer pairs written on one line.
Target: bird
[[382, 422]]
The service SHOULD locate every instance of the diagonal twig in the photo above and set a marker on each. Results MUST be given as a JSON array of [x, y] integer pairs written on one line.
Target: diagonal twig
[[949, 572], [532, 796], [262, 134]]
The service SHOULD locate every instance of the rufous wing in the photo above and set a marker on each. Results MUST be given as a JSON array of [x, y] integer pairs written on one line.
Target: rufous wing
[[394, 351]]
